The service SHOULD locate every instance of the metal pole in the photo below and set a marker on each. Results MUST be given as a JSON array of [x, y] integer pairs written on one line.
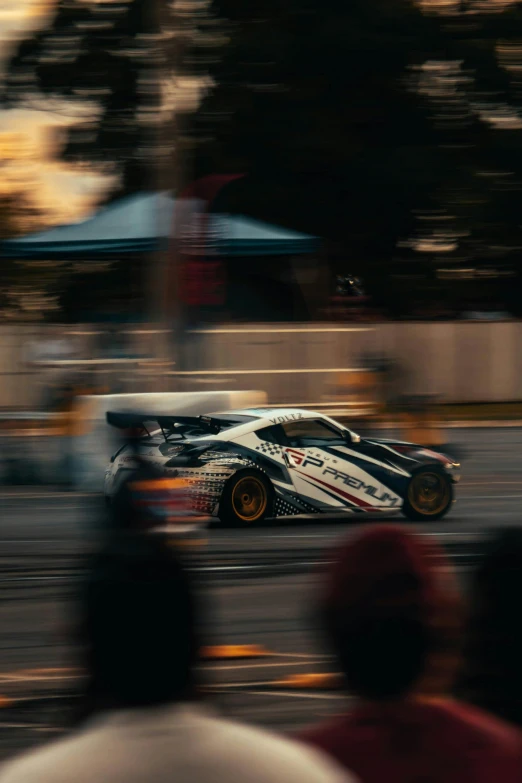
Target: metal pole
[[165, 304]]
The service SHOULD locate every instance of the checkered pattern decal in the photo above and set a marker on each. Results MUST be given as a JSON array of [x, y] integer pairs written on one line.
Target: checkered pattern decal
[[284, 509], [308, 508], [205, 487], [272, 449], [289, 507]]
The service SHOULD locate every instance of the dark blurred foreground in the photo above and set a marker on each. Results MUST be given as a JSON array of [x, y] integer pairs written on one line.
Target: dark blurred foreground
[[128, 636]]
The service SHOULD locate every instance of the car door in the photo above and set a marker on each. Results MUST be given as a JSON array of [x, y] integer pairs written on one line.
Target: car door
[[318, 456]]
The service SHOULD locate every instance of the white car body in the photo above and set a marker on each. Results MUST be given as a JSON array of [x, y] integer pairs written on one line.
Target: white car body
[[313, 463]]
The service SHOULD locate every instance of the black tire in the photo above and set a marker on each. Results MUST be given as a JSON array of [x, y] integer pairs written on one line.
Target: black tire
[[429, 495], [247, 499]]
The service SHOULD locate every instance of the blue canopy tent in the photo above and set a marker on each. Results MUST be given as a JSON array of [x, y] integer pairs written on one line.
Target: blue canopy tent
[[131, 225], [142, 223], [242, 236]]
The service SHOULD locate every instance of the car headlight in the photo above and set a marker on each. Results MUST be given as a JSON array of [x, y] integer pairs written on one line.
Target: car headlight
[[453, 469]]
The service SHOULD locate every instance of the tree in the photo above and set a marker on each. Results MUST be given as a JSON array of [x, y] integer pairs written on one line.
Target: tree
[[88, 66], [114, 70], [17, 217], [370, 124], [388, 127]]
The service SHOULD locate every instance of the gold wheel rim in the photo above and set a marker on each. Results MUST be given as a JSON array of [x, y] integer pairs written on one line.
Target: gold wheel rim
[[428, 493], [249, 499]]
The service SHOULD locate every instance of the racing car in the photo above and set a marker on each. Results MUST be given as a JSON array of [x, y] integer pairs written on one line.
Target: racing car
[[244, 466]]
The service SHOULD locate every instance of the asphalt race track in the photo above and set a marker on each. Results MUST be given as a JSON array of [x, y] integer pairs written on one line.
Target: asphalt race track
[[260, 586]]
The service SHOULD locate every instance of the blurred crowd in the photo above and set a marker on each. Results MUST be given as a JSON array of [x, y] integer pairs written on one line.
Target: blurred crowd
[[433, 680]]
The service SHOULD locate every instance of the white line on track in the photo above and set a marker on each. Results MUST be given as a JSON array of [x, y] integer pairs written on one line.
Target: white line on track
[[22, 579], [26, 541], [263, 567], [469, 498], [45, 509], [49, 729], [293, 695], [490, 520], [44, 495], [489, 483], [305, 655], [286, 330], [278, 536], [277, 664], [8, 679]]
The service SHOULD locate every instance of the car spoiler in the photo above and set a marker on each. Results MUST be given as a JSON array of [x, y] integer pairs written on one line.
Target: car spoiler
[[133, 421]]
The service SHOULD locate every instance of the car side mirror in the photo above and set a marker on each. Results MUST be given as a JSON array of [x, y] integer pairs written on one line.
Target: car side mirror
[[352, 437]]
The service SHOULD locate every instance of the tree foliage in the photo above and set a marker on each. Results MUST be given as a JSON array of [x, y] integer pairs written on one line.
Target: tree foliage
[[18, 216], [391, 128], [392, 131], [114, 70]]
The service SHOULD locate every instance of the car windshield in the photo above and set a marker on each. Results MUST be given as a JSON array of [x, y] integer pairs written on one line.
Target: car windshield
[[311, 432]]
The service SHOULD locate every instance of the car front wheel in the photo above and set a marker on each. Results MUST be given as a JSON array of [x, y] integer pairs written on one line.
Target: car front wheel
[[246, 499], [429, 495]]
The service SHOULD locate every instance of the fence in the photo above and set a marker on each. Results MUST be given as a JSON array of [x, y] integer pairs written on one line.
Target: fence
[[34, 357], [294, 364], [459, 362]]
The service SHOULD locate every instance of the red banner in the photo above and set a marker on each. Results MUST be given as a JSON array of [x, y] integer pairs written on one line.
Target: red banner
[[201, 278], [202, 283]]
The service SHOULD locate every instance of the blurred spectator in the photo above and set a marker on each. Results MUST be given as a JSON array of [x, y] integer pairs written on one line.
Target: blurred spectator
[[492, 678], [392, 617], [83, 411], [142, 719], [65, 414], [54, 345], [115, 343], [73, 418], [145, 499]]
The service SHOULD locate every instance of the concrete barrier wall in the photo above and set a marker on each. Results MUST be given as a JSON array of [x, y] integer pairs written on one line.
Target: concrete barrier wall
[[293, 363], [28, 369], [460, 362], [16, 378]]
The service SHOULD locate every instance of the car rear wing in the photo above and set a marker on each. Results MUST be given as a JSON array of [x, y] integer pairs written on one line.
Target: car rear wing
[[139, 421]]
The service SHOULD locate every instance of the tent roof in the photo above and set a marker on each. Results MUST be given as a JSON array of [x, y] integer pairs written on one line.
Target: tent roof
[[244, 228], [246, 236], [142, 223], [134, 223]]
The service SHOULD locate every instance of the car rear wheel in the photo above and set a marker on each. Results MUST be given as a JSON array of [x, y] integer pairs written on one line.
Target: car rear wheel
[[429, 495], [246, 499]]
